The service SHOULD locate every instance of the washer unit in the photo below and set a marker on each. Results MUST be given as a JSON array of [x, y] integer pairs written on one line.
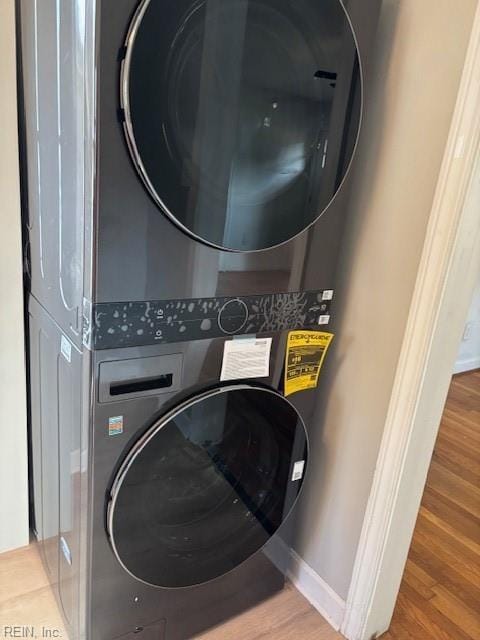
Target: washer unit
[[165, 512], [185, 174]]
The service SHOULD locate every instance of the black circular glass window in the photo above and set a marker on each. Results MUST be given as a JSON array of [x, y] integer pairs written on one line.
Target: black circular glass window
[[242, 115], [207, 486]]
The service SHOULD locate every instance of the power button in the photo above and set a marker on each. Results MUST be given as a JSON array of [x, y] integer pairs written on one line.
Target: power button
[[233, 316]]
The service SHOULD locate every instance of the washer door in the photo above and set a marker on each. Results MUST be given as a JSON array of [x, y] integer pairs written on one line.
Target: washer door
[[207, 486], [241, 115]]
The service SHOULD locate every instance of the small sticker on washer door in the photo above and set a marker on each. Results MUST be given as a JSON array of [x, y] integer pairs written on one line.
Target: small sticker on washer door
[[115, 426], [246, 359], [66, 349], [298, 469]]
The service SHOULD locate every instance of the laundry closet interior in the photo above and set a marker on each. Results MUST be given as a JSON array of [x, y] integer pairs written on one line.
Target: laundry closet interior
[[186, 167]]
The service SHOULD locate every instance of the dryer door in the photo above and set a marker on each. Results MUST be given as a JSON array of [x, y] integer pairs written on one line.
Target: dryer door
[[207, 486], [241, 115]]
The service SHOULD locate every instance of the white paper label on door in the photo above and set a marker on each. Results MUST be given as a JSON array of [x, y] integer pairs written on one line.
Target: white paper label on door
[[298, 469], [248, 358]]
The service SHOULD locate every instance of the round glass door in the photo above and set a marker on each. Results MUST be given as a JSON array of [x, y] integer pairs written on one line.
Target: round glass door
[[207, 486], [241, 116]]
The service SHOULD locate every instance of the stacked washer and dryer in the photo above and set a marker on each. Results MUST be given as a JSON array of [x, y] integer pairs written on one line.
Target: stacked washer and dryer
[[184, 187]]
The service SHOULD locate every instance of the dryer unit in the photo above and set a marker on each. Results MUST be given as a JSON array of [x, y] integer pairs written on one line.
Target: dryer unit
[[185, 172], [186, 149]]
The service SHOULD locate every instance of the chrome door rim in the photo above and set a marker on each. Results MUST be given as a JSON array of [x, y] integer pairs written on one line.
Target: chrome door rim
[[137, 159], [143, 441]]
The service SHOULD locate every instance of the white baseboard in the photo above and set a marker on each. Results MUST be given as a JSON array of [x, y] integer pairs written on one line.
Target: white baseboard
[[320, 595], [466, 365]]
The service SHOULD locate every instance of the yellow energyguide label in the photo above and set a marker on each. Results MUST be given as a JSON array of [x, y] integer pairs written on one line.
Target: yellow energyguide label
[[306, 351]]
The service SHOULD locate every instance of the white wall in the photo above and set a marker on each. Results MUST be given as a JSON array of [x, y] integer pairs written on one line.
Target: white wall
[[468, 357], [13, 429], [420, 54]]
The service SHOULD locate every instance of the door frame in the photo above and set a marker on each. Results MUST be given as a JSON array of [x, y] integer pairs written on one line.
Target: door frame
[[449, 269]]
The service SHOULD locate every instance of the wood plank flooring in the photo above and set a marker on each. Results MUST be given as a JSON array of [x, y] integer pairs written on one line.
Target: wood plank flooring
[[440, 593], [27, 600]]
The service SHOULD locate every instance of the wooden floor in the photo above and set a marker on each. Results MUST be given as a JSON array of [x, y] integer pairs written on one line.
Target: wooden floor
[[27, 600], [287, 616], [440, 594]]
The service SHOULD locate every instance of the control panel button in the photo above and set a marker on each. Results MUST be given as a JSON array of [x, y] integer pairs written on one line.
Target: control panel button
[[233, 316]]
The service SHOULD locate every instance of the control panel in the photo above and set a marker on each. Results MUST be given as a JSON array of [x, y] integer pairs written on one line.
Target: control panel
[[125, 324]]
